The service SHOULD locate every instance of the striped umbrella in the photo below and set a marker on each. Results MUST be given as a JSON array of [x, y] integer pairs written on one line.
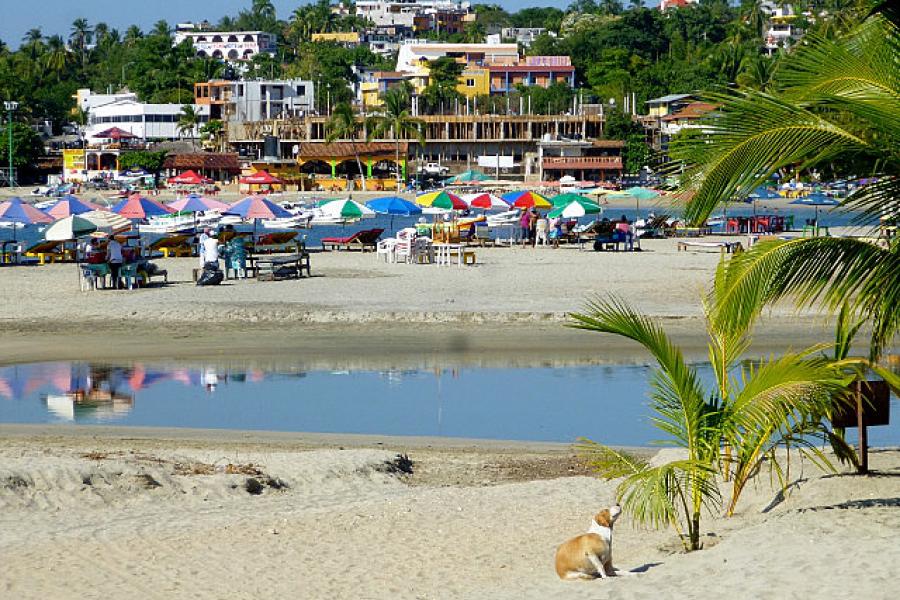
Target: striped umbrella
[[106, 220], [257, 207], [527, 199], [69, 228], [346, 210], [16, 211], [139, 207], [564, 199], [197, 203], [68, 206], [442, 199], [575, 209], [486, 201]]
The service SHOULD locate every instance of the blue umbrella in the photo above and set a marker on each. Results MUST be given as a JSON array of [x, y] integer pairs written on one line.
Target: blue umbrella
[[394, 205], [817, 199], [762, 193]]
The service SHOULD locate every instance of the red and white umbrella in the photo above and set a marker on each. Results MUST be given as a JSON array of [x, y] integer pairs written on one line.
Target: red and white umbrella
[[486, 201]]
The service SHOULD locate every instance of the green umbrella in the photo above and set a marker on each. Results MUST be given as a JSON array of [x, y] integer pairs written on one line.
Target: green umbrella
[[563, 199], [575, 209], [470, 176], [346, 209], [639, 193], [69, 228]]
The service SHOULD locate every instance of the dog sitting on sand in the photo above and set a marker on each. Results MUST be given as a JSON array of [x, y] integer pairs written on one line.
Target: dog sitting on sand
[[589, 556]]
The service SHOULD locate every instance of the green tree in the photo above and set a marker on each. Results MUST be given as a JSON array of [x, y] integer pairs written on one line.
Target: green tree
[[150, 161], [395, 120], [212, 132], [835, 101], [80, 36], [443, 77], [343, 125], [26, 146], [730, 431], [188, 121]]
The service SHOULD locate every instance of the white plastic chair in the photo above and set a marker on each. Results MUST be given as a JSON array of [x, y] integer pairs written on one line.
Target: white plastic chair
[[387, 248]]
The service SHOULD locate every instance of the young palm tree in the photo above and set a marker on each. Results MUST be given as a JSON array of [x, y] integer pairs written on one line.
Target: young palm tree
[[728, 431], [343, 125], [188, 121], [395, 119], [832, 100]]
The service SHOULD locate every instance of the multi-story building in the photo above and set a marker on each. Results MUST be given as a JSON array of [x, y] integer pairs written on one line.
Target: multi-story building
[[542, 71], [149, 122], [583, 159], [414, 55], [781, 33], [255, 100], [387, 40], [386, 13], [226, 45], [88, 101], [522, 35]]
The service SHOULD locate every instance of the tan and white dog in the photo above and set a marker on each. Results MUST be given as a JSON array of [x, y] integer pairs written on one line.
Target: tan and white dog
[[589, 556]]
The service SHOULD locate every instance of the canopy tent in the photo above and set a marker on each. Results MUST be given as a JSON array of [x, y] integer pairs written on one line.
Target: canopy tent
[[69, 228], [260, 178], [257, 207], [139, 207], [188, 178], [70, 205], [197, 203], [114, 133]]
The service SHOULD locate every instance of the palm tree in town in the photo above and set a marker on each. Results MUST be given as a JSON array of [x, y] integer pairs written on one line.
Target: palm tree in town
[[395, 120], [132, 35], [33, 41], [832, 101], [80, 37], [212, 131], [343, 125], [56, 59], [188, 121]]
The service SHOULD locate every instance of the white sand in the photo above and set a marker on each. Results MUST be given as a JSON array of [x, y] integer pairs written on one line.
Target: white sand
[[73, 526]]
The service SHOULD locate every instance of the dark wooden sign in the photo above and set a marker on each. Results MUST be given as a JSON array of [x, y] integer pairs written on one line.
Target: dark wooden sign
[[870, 405]]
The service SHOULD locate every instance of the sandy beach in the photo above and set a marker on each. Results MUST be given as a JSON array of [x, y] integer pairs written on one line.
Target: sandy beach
[[98, 512]]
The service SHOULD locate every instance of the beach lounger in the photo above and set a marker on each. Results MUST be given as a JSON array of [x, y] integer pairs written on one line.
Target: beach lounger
[[366, 239], [723, 247], [279, 241], [173, 245], [45, 251]]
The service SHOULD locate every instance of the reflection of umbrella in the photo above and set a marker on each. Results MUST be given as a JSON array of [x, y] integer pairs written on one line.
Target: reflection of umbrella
[[816, 199], [346, 209], [575, 209], [442, 199], [394, 205], [257, 207], [527, 199], [470, 176], [139, 207], [68, 229], [196, 203], [486, 201], [70, 205]]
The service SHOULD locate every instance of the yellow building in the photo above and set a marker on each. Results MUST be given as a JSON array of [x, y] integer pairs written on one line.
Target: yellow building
[[350, 38], [474, 82]]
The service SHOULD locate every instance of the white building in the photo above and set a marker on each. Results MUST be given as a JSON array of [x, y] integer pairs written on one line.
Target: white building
[[384, 13], [226, 45], [522, 35], [88, 101], [278, 99], [145, 121]]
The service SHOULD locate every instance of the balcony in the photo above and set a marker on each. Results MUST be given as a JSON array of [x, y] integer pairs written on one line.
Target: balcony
[[609, 163]]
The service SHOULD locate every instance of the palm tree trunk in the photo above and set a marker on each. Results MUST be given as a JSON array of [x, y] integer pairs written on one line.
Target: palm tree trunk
[[358, 164]]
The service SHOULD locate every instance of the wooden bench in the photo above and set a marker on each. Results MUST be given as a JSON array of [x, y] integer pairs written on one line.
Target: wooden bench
[[724, 247], [273, 268]]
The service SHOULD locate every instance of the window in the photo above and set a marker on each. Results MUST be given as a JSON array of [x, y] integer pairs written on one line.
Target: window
[[232, 54], [248, 38], [232, 38], [240, 90], [217, 38], [470, 83], [301, 90]]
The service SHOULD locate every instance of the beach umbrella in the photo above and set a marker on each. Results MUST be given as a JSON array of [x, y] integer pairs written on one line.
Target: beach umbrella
[[639, 193], [816, 199], [70, 205], [527, 199], [470, 176], [139, 207], [197, 203], [575, 209], [16, 211], [257, 207], [69, 228], [441, 199], [346, 210], [106, 221], [394, 205], [564, 199], [485, 201], [187, 178], [114, 133]]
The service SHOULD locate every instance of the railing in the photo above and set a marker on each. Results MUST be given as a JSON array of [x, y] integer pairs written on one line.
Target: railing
[[583, 162]]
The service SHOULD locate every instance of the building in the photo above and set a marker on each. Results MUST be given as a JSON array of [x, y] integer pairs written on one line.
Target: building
[[665, 105], [386, 13], [667, 4], [226, 45], [781, 33], [413, 55], [541, 71], [255, 100], [598, 160], [522, 35], [687, 117], [88, 101], [348, 39], [387, 40], [148, 122]]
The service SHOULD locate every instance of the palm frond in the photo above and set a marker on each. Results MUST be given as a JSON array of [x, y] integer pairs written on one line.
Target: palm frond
[[608, 462]]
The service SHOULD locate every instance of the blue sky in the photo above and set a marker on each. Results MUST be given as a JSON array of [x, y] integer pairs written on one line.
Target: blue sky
[[56, 16]]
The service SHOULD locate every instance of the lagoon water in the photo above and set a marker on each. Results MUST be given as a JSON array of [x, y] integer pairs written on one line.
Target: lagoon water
[[607, 403]]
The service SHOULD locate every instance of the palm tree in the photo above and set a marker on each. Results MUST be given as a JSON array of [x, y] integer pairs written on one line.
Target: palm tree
[[56, 58], [395, 119], [188, 121], [132, 35], [34, 42], [833, 100], [212, 131], [343, 125], [161, 28], [730, 431], [80, 37]]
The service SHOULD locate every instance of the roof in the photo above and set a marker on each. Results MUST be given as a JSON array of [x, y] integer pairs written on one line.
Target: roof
[[531, 69], [203, 160], [609, 144], [310, 150], [669, 98], [694, 110]]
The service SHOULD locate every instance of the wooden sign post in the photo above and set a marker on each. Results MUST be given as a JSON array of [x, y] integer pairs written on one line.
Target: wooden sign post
[[872, 406]]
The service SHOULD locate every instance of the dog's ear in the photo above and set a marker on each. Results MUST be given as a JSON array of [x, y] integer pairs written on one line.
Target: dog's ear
[[603, 518]]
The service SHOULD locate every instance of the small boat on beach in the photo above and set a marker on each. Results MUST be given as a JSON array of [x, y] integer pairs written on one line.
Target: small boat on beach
[[180, 222]]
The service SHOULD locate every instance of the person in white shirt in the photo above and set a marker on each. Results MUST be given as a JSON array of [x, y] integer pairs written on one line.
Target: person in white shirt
[[114, 259], [209, 251], [204, 235]]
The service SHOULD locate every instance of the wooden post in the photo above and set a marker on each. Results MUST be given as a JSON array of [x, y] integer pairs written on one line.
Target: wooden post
[[863, 437]]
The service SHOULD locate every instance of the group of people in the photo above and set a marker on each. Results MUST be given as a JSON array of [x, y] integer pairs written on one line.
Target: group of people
[[233, 251], [537, 229]]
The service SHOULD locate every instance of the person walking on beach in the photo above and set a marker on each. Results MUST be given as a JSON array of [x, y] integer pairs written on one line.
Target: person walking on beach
[[114, 260], [533, 217], [624, 228], [525, 223]]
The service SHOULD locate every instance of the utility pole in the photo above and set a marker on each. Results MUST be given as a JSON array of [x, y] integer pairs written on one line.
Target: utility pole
[[10, 107]]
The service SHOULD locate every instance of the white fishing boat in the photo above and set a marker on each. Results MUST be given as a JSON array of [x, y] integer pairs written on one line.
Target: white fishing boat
[[176, 222], [299, 221], [504, 219]]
